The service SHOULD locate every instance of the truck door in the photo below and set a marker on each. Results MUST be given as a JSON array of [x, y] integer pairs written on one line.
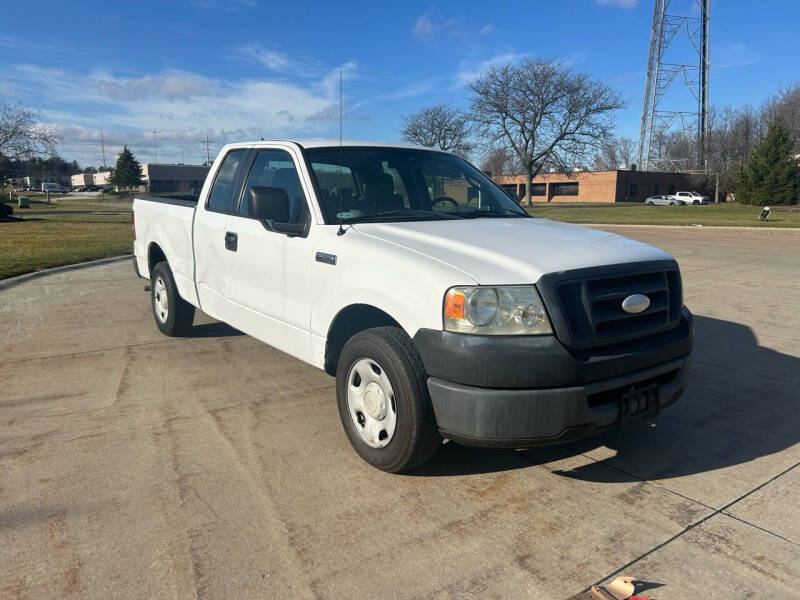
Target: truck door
[[269, 275], [211, 243]]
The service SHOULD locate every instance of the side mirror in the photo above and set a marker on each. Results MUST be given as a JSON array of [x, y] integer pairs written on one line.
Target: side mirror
[[271, 206], [268, 203]]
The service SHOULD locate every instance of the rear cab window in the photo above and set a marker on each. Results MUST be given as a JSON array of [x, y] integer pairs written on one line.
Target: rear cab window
[[223, 193]]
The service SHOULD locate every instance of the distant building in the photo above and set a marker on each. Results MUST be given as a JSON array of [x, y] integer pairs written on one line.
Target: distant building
[[598, 186], [173, 178], [101, 178], [82, 180]]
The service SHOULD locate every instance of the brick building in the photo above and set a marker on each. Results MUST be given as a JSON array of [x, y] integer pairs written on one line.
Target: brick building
[[598, 186]]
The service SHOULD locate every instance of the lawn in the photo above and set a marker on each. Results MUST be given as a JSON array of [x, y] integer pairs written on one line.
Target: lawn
[[93, 203], [50, 241], [720, 215]]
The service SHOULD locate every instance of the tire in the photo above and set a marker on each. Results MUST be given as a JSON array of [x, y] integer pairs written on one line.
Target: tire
[[696, 202], [173, 315], [649, 203], [386, 414], [673, 204]]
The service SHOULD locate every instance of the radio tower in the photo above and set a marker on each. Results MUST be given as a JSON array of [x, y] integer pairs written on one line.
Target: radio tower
[[663, 113]]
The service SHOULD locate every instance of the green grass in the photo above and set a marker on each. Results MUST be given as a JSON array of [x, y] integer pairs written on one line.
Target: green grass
[[51, 241], [721, 215], [38, 204]]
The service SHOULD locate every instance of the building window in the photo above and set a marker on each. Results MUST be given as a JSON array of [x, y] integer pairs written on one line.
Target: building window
[[633, 190], [539, 189], [564, 189], [511, 188]]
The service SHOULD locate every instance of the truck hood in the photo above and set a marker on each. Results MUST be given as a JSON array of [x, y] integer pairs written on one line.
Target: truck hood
[[512, 251]]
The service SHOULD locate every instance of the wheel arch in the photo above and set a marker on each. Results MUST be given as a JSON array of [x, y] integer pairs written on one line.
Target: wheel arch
[[349, 321], [155, 255]]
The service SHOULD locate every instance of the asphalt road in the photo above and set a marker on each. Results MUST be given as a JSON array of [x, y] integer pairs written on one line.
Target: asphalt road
[[138, 466]]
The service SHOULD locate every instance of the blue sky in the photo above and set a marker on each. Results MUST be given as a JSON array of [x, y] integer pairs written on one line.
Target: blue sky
[[244, 69]]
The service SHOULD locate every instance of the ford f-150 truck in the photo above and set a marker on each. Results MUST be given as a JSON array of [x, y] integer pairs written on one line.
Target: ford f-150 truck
[[443, 309]]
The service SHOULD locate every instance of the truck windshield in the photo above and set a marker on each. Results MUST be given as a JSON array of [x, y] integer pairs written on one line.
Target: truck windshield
[[375, 184]]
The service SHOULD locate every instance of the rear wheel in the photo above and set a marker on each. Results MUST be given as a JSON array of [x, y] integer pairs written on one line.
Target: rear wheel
[[673, 204], [173, 315], [383, 400]]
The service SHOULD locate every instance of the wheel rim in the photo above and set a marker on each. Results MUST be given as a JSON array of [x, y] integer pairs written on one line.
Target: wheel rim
[[371, 403], [160, 300]]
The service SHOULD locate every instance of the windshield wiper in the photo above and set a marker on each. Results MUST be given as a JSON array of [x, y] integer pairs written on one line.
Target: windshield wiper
[[401, 213], [478, 213]]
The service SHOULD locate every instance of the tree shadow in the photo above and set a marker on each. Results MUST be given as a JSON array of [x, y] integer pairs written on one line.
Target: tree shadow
[[741, 403]]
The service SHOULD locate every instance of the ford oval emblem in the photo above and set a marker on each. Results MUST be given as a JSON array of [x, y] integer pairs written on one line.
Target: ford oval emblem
[[635, 303]]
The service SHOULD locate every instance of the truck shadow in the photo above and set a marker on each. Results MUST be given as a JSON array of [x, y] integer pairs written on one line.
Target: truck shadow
[[741, 403], [215, 329]]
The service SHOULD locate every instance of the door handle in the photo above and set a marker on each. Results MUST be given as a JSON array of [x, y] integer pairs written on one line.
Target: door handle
[[231, 241]]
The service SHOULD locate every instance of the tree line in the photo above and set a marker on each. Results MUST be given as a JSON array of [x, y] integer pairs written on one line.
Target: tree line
[[540, 115]]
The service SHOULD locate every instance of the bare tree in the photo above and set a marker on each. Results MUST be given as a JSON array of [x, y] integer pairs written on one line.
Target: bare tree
[[21, 137], [786, 105], [615, 153], [498, 161], [546, 113], [441, 126]]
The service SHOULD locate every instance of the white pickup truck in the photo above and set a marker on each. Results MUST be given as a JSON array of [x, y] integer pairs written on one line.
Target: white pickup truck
[[443, 309]]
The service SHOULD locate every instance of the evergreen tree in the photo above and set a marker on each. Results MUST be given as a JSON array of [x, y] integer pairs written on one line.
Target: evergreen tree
[[128, 172], [771, 175]]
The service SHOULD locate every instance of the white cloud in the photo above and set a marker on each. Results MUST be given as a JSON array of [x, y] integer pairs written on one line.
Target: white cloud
[[618, 3], [279, 62], [182, 106], [468, 72], [423, 27], [427, 27]]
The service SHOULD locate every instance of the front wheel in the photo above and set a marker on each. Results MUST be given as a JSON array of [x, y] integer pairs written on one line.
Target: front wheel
[[383, 400], [173, 315]]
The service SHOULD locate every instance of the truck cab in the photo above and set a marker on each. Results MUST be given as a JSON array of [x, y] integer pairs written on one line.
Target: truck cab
[[443, 309]]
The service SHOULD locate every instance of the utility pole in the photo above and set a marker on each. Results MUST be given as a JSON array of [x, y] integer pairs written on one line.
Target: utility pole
[[703, 96], [155, 156], [661, 113], [208, 154], [103, 148]]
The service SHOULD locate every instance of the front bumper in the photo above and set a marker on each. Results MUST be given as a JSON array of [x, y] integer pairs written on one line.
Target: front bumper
[[522, 391]]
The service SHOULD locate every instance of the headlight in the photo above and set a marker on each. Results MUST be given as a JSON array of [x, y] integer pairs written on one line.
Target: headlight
[[508, 310]]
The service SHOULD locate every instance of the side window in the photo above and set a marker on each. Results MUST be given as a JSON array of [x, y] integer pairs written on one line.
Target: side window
[[222, 193], [275, 169]]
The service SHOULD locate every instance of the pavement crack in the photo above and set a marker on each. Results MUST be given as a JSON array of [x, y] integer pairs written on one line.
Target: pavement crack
[[716, 512]]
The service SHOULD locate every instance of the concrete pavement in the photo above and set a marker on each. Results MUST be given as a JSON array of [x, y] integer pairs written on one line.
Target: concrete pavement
[[138, 466]]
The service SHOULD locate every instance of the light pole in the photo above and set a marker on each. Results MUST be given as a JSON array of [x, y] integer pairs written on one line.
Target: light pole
[[155, 156]]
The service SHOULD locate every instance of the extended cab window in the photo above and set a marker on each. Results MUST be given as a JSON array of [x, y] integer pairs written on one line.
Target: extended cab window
[[275, 169], [222, 193]]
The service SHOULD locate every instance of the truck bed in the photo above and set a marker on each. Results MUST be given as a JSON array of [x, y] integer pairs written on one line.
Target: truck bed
[[164, 227], [177, 199]]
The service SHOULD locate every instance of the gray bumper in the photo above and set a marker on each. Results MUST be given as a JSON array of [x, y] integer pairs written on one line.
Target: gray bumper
[[519, 418]]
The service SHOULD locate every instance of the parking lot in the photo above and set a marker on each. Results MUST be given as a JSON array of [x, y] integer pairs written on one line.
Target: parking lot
[[138, 466]]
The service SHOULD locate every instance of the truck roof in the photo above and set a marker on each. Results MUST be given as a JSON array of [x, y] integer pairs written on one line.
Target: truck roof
[[329, 143]]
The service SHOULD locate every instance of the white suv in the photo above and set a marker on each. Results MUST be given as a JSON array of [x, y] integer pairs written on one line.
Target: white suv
[[691, 198]]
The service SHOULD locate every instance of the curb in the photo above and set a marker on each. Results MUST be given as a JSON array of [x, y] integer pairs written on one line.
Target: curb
[[15, 281], [698, 227]]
